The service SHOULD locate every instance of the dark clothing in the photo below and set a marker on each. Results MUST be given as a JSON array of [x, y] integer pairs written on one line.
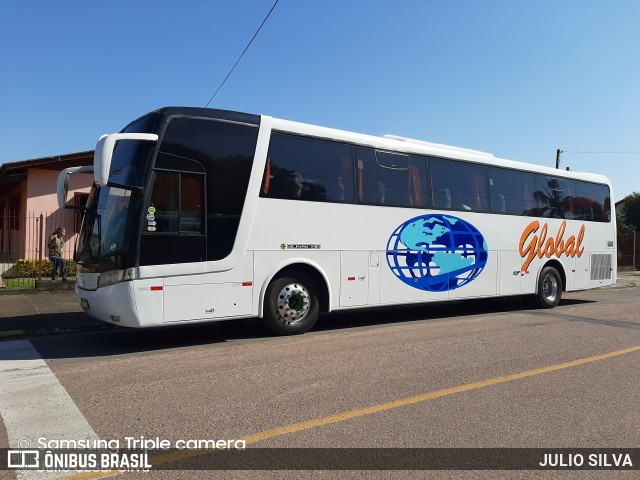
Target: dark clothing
[[59, 267]]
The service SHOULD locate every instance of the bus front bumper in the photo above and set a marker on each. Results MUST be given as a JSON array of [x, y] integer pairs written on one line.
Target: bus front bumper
[[113, 304]]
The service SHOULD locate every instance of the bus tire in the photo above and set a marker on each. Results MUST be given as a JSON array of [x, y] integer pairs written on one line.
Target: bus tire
[[549, 288], [291, 304]]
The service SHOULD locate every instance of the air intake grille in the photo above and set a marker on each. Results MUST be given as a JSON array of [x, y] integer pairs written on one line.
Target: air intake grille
[[600, 266]]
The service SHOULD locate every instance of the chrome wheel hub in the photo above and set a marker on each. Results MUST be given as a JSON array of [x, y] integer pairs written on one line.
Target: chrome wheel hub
[[293, 303]]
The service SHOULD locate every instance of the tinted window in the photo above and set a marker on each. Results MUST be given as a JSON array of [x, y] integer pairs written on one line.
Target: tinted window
[[562, 194], [304, 168], [555, 196], [129, 162], [144, 124], [391, 179], [593, 202], [130, 158], [191, 204], [512, 192], [225, 151], [177, 200], [111, 221], [165, 200], [458, 185], [521, 193]]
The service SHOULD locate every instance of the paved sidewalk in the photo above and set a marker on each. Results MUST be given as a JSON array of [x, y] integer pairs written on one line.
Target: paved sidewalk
[[627, 279], [29, 302], [42, 313]]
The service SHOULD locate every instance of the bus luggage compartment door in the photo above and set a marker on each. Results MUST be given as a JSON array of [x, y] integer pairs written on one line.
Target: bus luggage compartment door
[[354, 278], [207, 301]]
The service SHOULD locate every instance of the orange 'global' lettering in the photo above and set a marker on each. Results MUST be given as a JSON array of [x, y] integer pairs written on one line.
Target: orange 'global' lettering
[[534, 244]]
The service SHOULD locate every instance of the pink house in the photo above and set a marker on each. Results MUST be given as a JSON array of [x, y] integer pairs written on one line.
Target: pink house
[[29, 208]]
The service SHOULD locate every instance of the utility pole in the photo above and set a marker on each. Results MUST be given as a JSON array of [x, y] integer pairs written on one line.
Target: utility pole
[[558, 152]]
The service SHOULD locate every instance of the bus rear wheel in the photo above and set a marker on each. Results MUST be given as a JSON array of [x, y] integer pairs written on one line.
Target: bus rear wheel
[[291, 304], [549, 288]]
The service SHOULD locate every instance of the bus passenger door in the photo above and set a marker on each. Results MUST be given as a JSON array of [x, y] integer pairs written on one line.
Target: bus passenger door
[[174, 222], [354, 278]]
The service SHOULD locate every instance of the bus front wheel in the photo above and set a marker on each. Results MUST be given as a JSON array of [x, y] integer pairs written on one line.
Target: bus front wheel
[[549, 287], [291, 304]]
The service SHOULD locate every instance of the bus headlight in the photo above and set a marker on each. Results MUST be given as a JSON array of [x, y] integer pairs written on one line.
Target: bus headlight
[[116, 276]]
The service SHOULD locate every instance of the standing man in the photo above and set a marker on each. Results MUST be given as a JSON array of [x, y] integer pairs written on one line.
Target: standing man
[[56, 248]]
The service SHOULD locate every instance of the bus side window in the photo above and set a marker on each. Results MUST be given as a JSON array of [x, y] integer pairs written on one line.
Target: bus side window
[[560, 194], [287, 184], [165, 202], [224, 152], [177, 199], [498, 203], [513, 192], [191, 204], [464, 182], [442, 198], [302, 168], [593, 202], [391, 179], [173, 227], [379, 192]]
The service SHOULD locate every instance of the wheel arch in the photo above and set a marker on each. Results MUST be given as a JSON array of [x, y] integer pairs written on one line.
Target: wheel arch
[[560, 269], [312, 269]]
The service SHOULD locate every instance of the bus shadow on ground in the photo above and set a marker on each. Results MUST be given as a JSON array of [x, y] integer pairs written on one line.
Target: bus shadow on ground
[[430, 312], [103, 340]]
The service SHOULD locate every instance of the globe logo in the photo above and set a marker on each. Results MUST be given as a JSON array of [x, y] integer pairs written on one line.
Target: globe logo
[[437, 253]]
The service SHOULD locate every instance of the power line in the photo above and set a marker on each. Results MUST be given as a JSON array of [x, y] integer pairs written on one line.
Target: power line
[[242, 54]]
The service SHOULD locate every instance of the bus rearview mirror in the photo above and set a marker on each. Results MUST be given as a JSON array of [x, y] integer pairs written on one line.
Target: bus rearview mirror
[[63, 184], [104, 152]]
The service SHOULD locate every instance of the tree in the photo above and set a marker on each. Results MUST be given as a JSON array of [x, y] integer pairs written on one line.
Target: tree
[[629, 217], [623, 227]]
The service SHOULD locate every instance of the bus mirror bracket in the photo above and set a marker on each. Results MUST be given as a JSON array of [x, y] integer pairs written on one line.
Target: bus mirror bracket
[[63, 185], [104, 153]]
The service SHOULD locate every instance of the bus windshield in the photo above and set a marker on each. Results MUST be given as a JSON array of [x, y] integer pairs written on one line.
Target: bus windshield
[[104, 227], [104, 230]]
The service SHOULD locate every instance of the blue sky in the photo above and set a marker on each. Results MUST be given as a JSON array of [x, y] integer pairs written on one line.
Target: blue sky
[[514, 78]]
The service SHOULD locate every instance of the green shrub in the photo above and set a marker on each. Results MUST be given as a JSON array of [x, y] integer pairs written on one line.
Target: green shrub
[[29, 268]]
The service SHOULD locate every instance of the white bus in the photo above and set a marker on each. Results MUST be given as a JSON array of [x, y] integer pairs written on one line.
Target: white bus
[[200, 215]]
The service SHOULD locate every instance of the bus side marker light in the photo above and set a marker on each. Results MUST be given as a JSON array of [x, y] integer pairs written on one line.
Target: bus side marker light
[[155, 289]]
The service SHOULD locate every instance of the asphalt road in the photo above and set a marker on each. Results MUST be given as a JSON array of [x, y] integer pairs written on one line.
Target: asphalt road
[[454, 375]]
